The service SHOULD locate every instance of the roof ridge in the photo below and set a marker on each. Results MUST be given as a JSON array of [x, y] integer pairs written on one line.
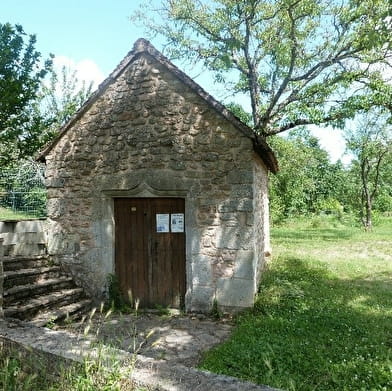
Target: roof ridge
[[141, 46]]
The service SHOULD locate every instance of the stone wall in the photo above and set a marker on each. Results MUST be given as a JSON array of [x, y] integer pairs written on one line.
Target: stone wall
[[149, 135], [24, 237]]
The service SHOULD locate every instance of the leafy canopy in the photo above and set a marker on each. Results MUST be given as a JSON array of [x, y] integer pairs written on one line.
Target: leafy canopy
[[370, 142], [60, 97], [307, 181], [300, 61], [33, 106], [21, 73]]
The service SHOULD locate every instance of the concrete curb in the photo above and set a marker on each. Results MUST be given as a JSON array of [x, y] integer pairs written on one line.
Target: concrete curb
[[157, 374]]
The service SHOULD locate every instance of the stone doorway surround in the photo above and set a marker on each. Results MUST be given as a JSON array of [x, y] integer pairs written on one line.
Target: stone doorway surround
[[143, 190]]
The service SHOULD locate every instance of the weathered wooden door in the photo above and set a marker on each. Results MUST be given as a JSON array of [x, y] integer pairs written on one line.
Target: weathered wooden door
[[150, 250]]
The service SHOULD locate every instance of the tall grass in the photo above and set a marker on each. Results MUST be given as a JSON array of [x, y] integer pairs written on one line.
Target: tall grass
[[323, 316], [102, 370], [26, 373]]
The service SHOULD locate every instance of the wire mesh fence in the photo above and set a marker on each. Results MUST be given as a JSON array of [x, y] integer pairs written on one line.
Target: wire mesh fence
[[22, 190]]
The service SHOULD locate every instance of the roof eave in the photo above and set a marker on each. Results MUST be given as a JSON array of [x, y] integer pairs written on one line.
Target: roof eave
[[143, 46]]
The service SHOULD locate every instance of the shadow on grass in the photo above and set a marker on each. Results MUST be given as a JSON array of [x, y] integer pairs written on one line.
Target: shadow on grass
[[310, 330]]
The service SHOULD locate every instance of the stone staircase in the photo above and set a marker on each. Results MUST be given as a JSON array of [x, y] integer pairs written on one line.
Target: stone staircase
[[35, 290]]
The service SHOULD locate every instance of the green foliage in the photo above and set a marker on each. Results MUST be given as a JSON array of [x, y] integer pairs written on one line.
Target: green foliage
[[268, 50], [307, 181], [21, 74], [12, 378], [116, 299], [322, 319], [215, 312], [162, 310], [103, 370], [60, 99], [32, 109], [22, 189], [370, 141], [240, 113], [309, 184], [26, 373], [9, 214]]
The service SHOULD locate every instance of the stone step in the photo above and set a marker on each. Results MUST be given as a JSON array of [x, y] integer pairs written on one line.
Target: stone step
[[30, 308], [67, 312], [18, 292], [29, 276], [17, 263]]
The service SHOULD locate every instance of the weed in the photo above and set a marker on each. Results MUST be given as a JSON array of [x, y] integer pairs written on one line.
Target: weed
[[162, 310], [101, 370], [51, 323], [116, 298], [215, 312], [13, 378]]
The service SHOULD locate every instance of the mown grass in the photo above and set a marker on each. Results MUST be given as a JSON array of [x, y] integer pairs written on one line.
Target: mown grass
[[8, 214], [323, 317]]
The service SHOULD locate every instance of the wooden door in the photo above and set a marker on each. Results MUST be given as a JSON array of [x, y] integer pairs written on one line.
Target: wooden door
[[150, 250]]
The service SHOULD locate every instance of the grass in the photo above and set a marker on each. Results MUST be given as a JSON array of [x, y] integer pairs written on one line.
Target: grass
[[323, 316], [26, 373], [25, 370], [8, 214]]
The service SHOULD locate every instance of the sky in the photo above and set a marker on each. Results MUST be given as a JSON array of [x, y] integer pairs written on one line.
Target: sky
[[93, 36]]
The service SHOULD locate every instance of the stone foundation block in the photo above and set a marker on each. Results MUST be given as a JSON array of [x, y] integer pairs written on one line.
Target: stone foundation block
[[235, 292]]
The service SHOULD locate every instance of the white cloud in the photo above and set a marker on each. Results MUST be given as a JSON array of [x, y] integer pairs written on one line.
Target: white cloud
[[86, 70], [333, 142]]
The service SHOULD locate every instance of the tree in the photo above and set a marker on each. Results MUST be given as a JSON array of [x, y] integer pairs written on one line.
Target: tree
[[60, 98], [21, 73], [370, 141], [50, 103], [307, 181], [300, 61]]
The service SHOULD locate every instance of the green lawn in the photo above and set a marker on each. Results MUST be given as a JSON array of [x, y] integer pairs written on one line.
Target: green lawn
[[8, 214], [323, 318]]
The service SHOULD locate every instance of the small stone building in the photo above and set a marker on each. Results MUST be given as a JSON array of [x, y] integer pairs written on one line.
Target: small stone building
[[154, 181]]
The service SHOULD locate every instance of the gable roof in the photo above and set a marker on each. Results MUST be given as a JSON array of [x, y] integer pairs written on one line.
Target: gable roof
[[144, 46]]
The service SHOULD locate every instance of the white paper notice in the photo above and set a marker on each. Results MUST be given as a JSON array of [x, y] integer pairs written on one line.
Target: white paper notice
[[177, 222], [163, 222]]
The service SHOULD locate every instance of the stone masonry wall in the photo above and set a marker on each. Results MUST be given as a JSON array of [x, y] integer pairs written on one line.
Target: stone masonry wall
[[150, 135], [24, 237]]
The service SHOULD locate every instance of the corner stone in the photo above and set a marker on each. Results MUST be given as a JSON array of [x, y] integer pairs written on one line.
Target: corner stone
[[235, 292]]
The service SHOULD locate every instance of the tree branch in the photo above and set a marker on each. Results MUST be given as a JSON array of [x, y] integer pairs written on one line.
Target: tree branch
[[377, 178], [319, 67], [293, 55]]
